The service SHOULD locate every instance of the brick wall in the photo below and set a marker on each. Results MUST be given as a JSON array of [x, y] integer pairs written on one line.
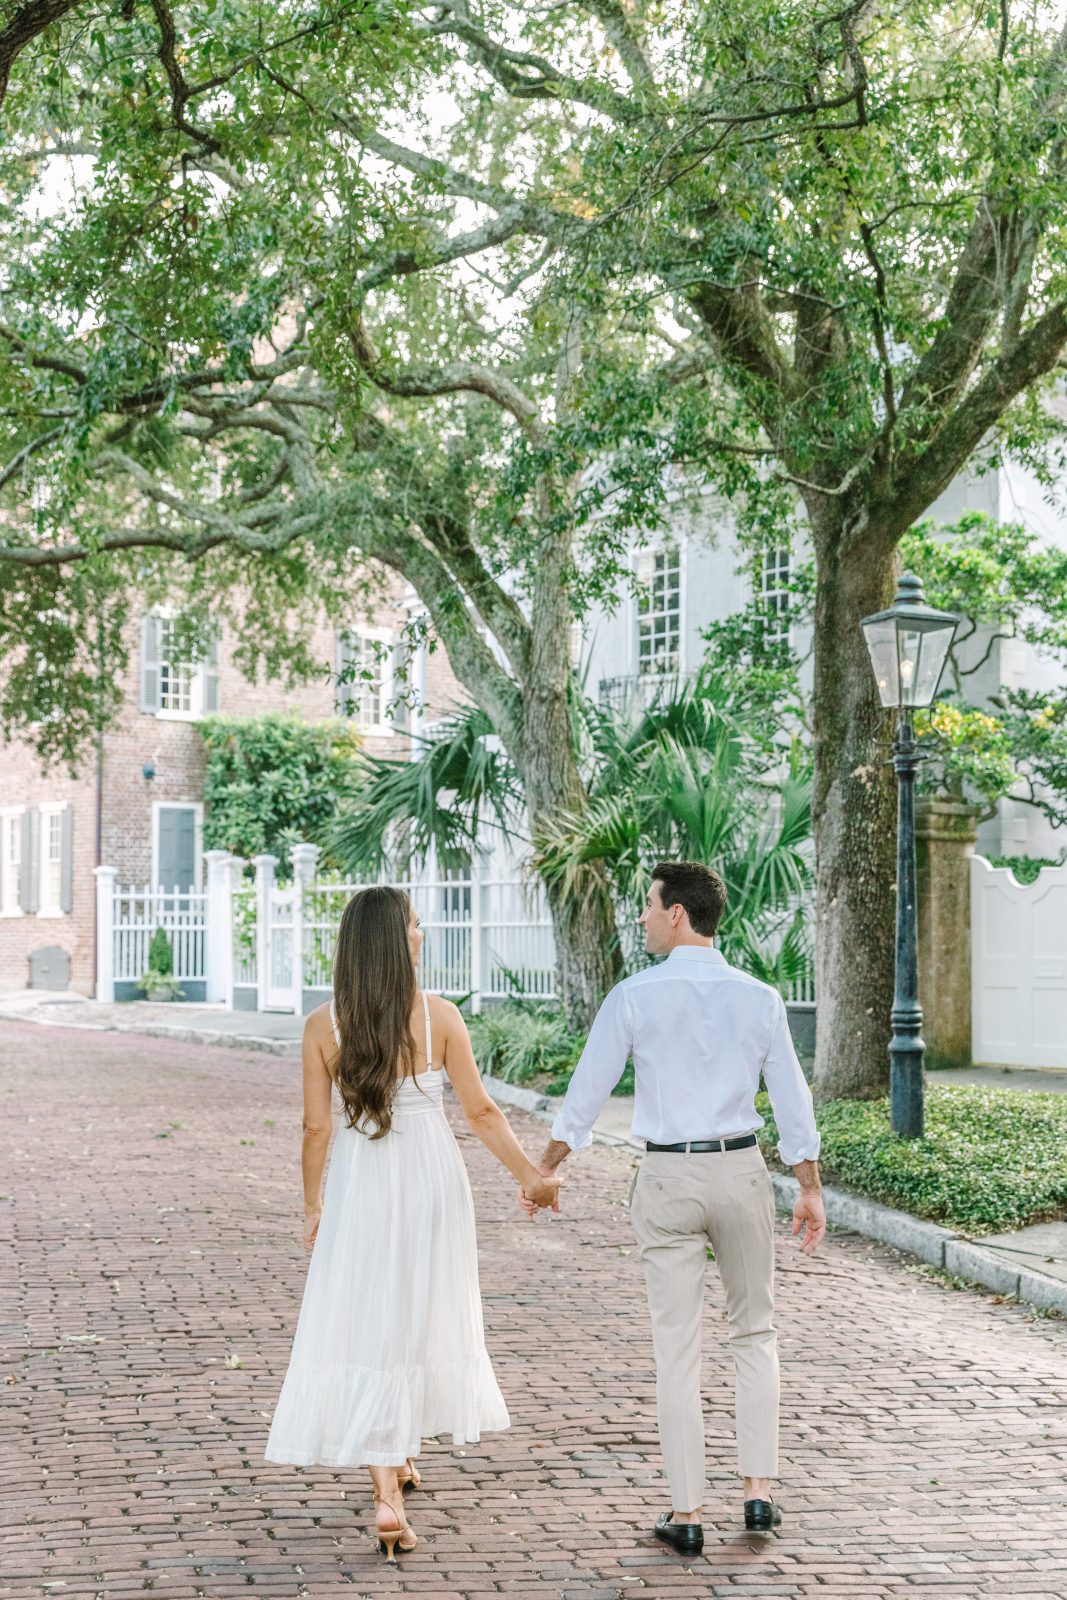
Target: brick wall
[[172, 745]]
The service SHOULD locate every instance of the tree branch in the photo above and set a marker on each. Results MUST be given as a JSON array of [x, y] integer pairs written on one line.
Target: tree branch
[[24, 26], [451, 378]]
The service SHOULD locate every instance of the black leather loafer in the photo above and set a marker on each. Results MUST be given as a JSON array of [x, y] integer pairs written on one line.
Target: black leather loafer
[[686, 1537], [761, 1516]]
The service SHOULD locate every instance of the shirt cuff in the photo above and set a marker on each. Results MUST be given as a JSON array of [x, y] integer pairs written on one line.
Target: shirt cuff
[[807, 1150], [567, 1135]]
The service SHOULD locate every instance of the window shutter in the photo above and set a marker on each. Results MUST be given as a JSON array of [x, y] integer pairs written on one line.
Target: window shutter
[[66, 869], [150, 663], [5, 824], [209, 668], [30, 870]]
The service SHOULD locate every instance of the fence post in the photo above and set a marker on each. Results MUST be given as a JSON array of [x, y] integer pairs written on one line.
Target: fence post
[[218, 933], [105, 933], [476, 936], [265, 866], [304, 858]]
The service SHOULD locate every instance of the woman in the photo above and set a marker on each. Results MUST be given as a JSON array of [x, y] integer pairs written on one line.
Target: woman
[[389, 1346]]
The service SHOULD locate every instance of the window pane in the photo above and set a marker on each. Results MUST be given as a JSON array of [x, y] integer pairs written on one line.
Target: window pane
[[175, 677], [659, 620], [775, 596]]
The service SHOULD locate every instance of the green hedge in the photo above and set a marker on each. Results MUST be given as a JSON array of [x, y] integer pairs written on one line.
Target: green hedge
[[990, 1159]]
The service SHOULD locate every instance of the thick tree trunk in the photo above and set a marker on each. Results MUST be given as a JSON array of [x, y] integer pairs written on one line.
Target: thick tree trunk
[[854, 817], [588, 959]]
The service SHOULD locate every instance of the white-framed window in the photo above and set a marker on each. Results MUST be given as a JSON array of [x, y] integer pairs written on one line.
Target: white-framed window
[[170, 685], [53, 859], [11, 830], [774, 594], [365, 677], [659, 610]]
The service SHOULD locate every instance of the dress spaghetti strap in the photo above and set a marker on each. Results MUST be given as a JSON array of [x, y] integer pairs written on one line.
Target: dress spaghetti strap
[[429, 1037]]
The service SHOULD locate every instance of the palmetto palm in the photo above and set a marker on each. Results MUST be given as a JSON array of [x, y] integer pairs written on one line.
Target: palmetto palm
[[459, 781], [692, 775], [688, 777]]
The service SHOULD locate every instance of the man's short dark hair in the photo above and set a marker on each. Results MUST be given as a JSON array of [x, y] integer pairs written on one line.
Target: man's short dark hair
[[698, 889]]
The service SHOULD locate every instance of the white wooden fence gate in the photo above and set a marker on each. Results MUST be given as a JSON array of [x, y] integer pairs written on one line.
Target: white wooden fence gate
[[1018, 967]]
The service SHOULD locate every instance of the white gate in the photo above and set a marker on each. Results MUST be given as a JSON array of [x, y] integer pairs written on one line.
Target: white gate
[[1018, 967], [281, 948]]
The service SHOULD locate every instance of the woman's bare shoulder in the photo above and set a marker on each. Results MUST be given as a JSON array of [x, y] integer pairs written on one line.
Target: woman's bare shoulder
[[444, 1012], [318, 1025]]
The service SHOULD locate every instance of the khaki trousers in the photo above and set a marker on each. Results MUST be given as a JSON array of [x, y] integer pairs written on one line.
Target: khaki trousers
[[679, 1204]]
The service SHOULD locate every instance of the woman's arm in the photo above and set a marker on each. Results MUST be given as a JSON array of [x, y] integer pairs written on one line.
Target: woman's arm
[[484, 1116], [318, 1119]]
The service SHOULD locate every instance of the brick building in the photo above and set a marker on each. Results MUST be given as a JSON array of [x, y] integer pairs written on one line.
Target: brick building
[[137, 803]]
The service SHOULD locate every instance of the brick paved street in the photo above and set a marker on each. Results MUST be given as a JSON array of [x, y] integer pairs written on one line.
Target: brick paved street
[[152, 1271]]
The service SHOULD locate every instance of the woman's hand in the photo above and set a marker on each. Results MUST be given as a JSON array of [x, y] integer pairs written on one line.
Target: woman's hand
[[540, 1193], [311, 1226]]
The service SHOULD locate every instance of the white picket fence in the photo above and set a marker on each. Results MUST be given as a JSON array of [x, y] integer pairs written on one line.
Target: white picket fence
[[269, 946]]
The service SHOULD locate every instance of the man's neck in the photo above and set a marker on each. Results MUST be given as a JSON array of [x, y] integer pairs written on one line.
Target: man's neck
[[690, 940]]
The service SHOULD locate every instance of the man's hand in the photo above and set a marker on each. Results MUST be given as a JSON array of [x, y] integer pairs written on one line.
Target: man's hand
[[809, 1210], [542, 1197]]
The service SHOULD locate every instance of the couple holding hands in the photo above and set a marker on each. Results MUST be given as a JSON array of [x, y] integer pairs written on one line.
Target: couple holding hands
[[389, 1347]]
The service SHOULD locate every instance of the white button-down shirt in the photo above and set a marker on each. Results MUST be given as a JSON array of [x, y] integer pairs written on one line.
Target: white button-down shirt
[[700, 1033]]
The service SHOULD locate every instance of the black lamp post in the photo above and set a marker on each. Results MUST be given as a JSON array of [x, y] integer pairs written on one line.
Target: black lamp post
[[908, 646]]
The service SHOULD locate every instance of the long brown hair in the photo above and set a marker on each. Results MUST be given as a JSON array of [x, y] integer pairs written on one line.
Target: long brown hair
[[374, 995]]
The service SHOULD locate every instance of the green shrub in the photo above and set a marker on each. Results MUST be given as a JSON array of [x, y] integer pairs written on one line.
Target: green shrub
[[519, 1042], [989, 1161], [160, 954]]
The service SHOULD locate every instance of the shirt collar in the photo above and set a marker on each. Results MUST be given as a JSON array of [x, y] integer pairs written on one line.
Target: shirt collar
[[696, 952]]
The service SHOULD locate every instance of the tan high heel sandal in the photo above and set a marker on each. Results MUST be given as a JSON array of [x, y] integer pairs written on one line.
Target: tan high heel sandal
[[390, 1539], [408, 1476]]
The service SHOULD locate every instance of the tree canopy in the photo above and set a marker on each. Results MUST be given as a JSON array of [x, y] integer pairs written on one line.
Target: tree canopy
[[457, 288]]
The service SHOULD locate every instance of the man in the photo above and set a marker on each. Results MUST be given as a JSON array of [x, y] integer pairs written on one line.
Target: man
[[701, 1033]]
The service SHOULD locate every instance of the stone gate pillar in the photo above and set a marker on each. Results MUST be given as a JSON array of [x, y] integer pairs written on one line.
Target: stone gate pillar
[[945, 832]]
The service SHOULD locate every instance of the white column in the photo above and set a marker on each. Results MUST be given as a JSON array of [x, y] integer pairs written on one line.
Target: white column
[[218, 940], [304, 858], [265, 866], [476, 933], [105, 933]]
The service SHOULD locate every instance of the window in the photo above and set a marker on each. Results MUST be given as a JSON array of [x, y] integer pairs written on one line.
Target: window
[[171, 686], [11, 827], [365, 678], [774, 594], [659, 611], [54, 839]]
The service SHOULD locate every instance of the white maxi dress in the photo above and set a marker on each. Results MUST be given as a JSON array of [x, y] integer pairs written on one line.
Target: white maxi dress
[[389, 1346]]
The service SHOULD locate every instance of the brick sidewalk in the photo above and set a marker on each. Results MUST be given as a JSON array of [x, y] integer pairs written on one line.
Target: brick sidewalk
[[151, 1207]]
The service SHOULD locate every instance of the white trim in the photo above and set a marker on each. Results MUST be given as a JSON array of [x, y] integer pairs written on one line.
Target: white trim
[[9, 815], [198, 840], [49, 910]]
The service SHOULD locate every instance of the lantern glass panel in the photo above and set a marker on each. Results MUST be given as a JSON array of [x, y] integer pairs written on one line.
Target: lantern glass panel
[[881, 639]]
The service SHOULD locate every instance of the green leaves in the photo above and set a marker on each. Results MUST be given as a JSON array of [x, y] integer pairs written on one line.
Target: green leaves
[[990, 1159], [272, 781]]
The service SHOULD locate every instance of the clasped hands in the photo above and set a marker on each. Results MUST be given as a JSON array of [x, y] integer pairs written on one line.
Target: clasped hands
[[542, 1195]]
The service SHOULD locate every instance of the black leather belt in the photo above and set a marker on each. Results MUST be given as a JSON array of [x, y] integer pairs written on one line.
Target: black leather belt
[[698, 1146]]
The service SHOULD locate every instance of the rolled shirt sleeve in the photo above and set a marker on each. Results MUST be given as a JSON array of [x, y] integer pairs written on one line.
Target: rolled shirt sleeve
[[794, 1111], [599, 1069]]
